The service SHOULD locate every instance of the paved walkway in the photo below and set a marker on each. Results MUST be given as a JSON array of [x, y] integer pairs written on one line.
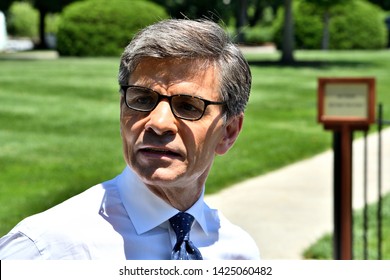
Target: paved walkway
[[292, 207]]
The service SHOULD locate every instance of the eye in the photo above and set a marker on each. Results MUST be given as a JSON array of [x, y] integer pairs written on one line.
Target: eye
[[187, 106], [143, 100], [183, 106], [140, 99]]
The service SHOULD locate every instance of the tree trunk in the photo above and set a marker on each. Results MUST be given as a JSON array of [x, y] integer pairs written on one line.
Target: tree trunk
[[325, 31], [42, 30], [242, 20], [288, 34], [258, 14]]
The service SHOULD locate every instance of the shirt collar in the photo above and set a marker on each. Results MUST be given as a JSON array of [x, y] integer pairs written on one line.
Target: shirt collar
[[146, 210]]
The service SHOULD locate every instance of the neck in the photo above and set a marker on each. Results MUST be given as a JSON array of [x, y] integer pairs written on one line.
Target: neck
[[181, 198]]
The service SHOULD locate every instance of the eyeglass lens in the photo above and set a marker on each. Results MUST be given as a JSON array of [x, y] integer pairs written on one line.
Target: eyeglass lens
[[183, 106]]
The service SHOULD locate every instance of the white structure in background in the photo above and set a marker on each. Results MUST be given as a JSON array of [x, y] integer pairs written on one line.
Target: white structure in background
[[3, 32], [12, 45]]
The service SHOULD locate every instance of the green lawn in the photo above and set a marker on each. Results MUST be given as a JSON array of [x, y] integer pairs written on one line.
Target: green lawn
[[280, 125], [323, 248], [59, 129]]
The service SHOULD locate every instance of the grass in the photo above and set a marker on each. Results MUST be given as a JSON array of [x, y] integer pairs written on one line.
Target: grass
[[59, 123], [59, 132], [323, 248], [280, 125]]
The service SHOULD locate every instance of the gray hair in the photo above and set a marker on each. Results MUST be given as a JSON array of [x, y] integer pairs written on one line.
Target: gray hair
[[202, 40]]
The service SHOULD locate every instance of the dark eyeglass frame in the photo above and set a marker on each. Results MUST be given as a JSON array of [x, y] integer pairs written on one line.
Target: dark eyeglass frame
[[124, 88]]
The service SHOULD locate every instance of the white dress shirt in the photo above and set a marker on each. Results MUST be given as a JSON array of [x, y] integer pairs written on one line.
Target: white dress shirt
[[121, 219]]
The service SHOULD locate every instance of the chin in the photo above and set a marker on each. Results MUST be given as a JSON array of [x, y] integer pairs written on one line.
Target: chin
[[160, 176]]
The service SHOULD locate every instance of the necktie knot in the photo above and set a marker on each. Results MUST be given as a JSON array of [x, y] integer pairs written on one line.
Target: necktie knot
[[184, 249], [181, 223]]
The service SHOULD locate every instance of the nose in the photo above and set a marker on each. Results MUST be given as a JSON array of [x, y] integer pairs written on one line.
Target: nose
[[161, 120]]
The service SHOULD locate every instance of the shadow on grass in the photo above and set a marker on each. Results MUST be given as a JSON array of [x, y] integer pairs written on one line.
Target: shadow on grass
[[319, 64]]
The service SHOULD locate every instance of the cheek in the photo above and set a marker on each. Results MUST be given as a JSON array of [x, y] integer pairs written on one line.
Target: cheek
[[129, 120], [206, 143], [128, 126], [126, 140]]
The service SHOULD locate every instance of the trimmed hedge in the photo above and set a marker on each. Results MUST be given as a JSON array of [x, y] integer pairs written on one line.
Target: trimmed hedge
[[103, 28], [364, 22], [356, 25], [23, 20]]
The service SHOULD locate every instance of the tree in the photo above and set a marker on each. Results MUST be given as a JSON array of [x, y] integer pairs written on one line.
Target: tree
[[5, 4], [250, 12], [384, 4], [243, 12], [326, 7], [190, 8], [257, 7], [242, 19], [44, 7], [288, 34]]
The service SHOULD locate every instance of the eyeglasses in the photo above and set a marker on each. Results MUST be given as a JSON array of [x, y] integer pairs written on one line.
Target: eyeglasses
[[183, 106]]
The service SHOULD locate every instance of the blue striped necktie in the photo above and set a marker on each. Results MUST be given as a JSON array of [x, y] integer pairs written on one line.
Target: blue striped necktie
[[184, 249]]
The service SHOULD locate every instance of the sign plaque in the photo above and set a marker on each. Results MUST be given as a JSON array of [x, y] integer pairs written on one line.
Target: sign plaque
[[348, 101]]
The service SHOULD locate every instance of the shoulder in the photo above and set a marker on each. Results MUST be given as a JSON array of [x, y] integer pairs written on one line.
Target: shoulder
[[237, 243], [75, 207], [235, 232], [63, 228], [16, 245]]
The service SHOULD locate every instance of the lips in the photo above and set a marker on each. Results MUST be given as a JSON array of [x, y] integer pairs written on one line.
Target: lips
[[159, 152]]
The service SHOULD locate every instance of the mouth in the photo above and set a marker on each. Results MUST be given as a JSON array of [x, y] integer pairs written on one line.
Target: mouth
[[159, 152]]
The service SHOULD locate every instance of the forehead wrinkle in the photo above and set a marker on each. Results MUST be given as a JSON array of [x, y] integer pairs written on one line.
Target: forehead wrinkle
[[158, 77], [197, 67]]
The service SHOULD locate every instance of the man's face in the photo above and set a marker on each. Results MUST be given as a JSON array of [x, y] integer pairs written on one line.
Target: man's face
[[162, 149]]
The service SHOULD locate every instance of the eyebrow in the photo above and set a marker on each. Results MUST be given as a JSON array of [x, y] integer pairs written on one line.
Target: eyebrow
[[195, 94]]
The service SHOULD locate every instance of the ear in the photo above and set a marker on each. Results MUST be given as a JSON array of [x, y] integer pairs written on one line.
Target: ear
[[231, 130]]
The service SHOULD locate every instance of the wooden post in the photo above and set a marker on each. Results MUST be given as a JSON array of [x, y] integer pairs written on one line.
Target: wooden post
[[342, 192], [344, 105]]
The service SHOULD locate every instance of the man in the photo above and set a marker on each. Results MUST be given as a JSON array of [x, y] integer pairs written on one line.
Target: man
[[184, 87]]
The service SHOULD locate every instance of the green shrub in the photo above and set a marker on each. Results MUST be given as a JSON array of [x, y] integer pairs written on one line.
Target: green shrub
[[356, 25], [22, 20], [99, 28], [258, 35], [360, 27], [307, 26], [263, 31], [51, 23]]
